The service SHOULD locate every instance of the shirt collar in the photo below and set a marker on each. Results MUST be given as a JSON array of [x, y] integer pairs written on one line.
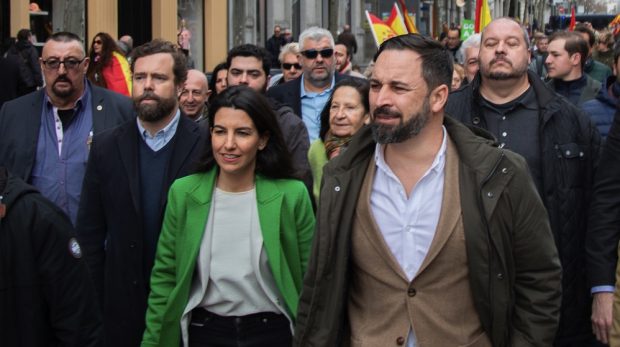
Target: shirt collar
[[437, 165], [311, 94], [167, 131]]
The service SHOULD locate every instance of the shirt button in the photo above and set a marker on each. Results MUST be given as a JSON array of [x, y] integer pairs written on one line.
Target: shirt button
[[400, 341], [411, 292], [504, 134], [503, 117], [337, 188], [500, 276], [476, 120]]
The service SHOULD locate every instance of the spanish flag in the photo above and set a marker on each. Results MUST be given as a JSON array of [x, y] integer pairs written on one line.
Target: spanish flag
[[483, 15], [615, 25], [408, 21], [396, 21], [571, 26], [380, 30]]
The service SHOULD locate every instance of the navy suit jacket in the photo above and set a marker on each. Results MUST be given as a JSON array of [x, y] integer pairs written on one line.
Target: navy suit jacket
[[289, 93], [109, 223], [20, 120]]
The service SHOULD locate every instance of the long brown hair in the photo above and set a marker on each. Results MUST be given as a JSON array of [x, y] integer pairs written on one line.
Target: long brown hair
[[108, 46]]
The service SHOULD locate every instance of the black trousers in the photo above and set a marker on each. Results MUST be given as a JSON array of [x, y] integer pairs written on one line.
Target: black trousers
[[207, 329]]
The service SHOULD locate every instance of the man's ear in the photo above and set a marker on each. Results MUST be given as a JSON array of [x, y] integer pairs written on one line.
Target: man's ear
[[438, 98]]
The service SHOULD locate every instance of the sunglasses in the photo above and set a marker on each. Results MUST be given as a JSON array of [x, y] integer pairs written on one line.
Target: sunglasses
[[313, 53], [288, 66], [54, 64]]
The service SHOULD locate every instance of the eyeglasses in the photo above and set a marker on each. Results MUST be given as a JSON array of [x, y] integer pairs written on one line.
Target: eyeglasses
[[287, 66], [54, 64], [313, 53], [97, 42]]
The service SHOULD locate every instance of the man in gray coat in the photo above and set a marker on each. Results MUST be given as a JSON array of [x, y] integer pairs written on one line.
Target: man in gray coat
[[45, 136]]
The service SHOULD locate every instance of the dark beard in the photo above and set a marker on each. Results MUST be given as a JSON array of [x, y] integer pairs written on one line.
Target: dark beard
[[64, 93], [385, 134], [154, 112], [502, 76]]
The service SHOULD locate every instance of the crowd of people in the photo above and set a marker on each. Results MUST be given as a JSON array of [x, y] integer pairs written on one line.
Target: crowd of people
[[458, 193]]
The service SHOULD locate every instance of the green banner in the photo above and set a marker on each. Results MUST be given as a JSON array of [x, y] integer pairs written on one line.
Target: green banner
[[467, 29]]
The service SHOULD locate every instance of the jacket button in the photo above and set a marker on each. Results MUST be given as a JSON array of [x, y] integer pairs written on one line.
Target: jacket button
[[337, 188], [504, 170], [500, 276], [400, 341], [411, 292], [132, 245], [134, 282], [476, 120], [490, 195]]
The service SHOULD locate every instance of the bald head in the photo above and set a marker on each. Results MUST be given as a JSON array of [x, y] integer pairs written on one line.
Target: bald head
[[194, 94]]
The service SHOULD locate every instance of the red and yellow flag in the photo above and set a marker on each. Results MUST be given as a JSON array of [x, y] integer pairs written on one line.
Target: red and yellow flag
[[614, 25], [573, 19], [396, 21], [483, 15], [408, 21], [380, 30]]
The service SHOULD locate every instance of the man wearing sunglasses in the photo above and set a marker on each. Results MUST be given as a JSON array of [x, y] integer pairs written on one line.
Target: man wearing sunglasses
[[308, 94], [289, 64], [45, 136]]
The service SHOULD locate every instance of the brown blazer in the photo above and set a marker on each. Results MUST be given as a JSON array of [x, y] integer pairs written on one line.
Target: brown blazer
[[437, 303]]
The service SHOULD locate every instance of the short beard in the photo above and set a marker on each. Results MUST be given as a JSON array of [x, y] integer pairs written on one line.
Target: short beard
[[516, 73], [154, 112], [64, 93], [404, 131]]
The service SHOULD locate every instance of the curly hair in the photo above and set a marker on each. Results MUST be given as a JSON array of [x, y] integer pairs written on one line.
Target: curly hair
[[99, 61]]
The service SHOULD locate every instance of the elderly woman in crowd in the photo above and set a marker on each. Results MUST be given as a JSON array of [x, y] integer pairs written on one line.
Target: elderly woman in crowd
[[346, 111]]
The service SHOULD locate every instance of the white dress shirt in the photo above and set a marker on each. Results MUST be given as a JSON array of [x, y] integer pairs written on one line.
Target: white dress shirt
[[408, 221]]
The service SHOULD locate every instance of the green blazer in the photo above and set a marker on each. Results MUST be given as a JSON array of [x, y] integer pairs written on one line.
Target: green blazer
[[287, 226]]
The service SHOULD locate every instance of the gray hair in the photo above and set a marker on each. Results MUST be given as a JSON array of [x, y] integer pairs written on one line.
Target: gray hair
[[289, 48], [315, 34], [472, 41]]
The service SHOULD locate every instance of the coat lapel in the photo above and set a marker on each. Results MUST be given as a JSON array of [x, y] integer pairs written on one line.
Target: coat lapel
[[33, 116], [450, 207], [186, 139], [269, 200], [199, 198], [100, 111], [127, 141]]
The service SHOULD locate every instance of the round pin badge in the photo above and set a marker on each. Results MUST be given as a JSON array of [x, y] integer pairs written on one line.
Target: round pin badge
[[74, 248]]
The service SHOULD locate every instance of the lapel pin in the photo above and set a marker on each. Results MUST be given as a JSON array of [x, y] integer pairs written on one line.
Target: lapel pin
[[99, 107]]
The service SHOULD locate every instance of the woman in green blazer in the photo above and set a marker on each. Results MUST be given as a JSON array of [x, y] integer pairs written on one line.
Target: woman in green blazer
[[235, 239]]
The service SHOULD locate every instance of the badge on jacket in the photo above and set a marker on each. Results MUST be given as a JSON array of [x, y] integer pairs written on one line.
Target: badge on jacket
[[74, 248]]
